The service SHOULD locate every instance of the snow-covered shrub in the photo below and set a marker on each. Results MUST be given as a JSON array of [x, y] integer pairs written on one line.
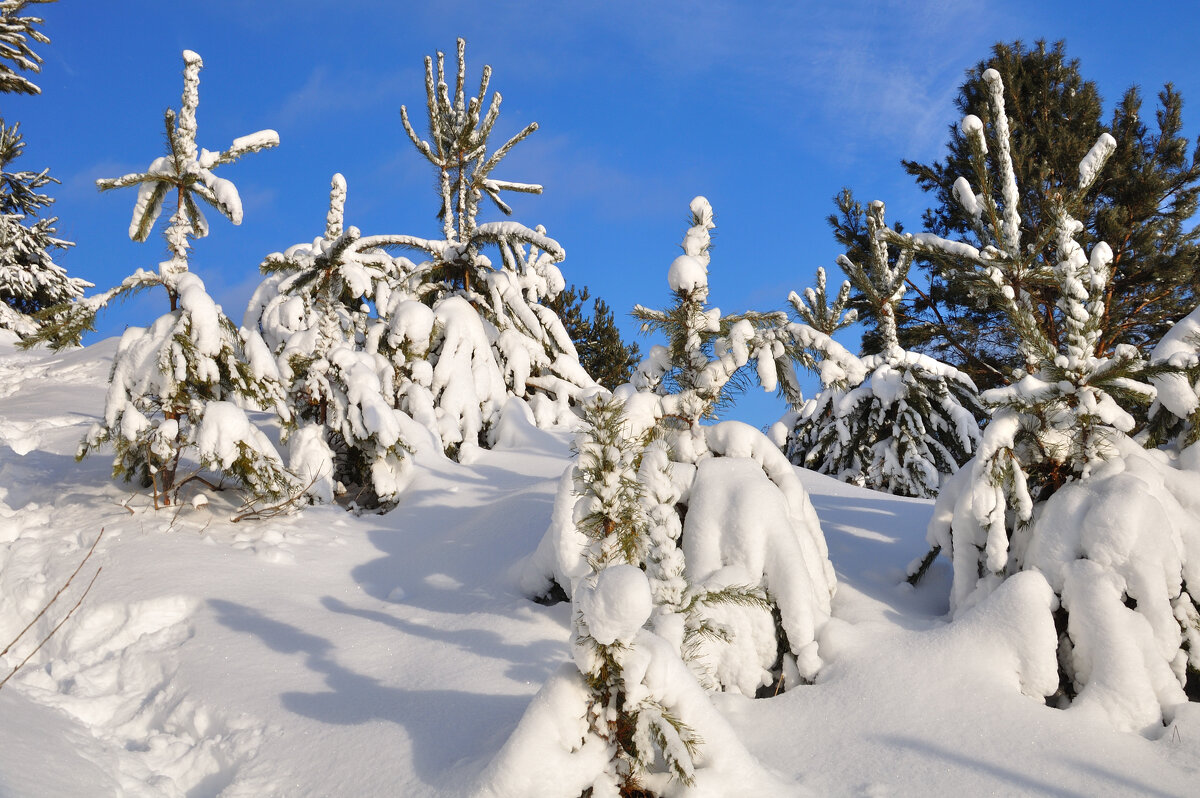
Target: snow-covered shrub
[[1056, 485], [166, 378], [490, 336], [731, 546], [910, 421], [344, 434]]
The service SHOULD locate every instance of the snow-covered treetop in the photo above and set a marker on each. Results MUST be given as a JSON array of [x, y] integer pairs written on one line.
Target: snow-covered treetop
[[1001, 267], [706, 349], [332, 275], [459, 128], [816, 311], [881, 281], [189, 172], [16, 31]]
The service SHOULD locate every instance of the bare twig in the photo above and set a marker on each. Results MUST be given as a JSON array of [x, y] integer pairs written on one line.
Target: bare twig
[[251, 510], [46, 639], [53, 599]]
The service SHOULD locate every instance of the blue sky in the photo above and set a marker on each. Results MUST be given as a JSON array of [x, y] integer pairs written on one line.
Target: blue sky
[[768, 109]]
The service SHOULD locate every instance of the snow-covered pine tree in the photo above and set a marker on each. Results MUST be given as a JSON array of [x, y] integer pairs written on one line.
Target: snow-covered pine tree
[[181, 383], [489, 335], [609, 515], [313, 311], [911, 421], [16, 47], [1056, 488], [733, 550], [30, 280], [627, 709]]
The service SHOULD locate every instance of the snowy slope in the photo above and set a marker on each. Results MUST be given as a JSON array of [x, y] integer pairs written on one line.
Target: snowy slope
[[324, 654]]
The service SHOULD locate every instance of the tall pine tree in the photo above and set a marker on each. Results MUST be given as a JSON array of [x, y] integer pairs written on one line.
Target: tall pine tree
[[1143, 206]]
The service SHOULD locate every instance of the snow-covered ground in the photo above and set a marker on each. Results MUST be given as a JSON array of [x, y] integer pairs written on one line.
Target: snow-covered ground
[[323, 654]]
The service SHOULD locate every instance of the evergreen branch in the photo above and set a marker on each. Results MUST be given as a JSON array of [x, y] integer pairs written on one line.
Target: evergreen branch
[[499, 154], [421, 145], [64, 324], [243, 145]]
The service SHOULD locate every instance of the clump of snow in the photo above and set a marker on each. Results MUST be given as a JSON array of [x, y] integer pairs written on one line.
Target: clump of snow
[[687, 274], [617, 605]]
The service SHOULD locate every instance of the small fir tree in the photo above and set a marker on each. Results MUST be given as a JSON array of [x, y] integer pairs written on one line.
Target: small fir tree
[[911, 420], [742, 600], [180, 384], [314, 310], [1056, 488]]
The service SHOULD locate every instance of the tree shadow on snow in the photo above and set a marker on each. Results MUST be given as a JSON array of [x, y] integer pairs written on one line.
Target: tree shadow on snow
[[38, 477], [878, 538], [1013, 780], [442, 725], [452, 548], [532, 662]]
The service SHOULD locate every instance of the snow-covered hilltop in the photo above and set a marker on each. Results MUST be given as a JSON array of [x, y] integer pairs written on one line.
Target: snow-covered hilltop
[[332, 654]]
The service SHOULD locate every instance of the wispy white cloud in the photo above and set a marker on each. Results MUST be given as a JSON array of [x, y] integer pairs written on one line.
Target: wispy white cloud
[[328, 93]]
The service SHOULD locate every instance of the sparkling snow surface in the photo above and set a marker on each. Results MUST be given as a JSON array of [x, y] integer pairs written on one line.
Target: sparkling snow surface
[[327, 654]]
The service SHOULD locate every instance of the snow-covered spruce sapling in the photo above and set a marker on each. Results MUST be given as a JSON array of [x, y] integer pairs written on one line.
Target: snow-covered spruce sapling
[[626, 718], [609, 506], [1056, 487], [629, 708], [313, 310], [182, 382], [512, 334], [30, 280], [910, 421], [758, 580]]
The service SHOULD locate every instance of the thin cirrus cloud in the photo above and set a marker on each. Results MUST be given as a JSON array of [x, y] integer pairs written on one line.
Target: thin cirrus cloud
[[327, 93]]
